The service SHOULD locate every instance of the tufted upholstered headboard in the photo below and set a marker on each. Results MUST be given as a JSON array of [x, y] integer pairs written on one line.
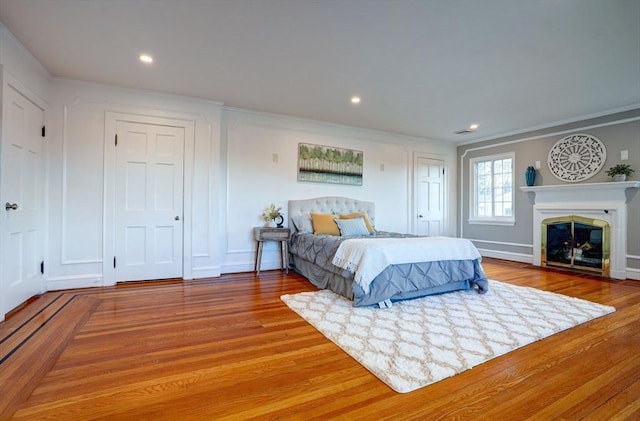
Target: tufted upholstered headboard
[[329, 204]]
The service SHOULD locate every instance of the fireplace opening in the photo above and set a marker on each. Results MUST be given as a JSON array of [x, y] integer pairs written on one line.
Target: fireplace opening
[[576, 242]]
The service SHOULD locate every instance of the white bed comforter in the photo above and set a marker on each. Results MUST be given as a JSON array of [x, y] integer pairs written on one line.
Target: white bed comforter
[[368, 257]]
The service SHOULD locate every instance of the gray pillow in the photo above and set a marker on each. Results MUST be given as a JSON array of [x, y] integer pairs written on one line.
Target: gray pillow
[[303, 223]]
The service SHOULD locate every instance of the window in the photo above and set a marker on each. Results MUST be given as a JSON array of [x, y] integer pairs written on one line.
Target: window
[[492, 190]]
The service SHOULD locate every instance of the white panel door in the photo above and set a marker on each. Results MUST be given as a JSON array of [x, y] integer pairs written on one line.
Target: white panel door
[[22, 199], [430, 176], [148, 201]]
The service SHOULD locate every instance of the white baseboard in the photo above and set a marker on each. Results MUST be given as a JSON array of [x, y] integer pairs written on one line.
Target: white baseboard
[[633, 274], [525, 258], [205, 272], [505, 255], [95, 280], [70, 282], [236, 268], [249, 267]]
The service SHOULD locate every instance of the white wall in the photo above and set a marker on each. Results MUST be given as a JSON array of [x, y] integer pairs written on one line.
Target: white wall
[[231, 171], [234, 178], [253, 180], [16, 60], [78, 225]]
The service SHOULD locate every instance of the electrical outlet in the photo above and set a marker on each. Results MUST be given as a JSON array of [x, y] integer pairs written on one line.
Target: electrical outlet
[[381, 167], [275, 157], [537, 165]]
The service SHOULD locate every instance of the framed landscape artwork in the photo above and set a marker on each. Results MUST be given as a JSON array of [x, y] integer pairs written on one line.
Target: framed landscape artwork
[[326, 164]]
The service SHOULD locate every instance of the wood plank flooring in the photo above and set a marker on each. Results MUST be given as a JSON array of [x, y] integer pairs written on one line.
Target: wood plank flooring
[[229, 349]]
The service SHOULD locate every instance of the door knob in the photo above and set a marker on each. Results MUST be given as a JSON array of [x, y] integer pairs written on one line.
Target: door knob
[[177, 218], [9, 206], [420, 216]]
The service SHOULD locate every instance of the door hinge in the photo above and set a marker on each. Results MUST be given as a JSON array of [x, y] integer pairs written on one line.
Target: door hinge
[[43, 130], [443, 171], [114, 261], [42, 267], [116, 140]]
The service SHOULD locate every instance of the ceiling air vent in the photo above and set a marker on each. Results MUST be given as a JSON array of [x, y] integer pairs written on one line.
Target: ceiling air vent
[[472, 128], [464, 131]]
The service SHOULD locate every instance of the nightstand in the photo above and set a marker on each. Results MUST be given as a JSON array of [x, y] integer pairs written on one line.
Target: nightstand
[[262, 234]]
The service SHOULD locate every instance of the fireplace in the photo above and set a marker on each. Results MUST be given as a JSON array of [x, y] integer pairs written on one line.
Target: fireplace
[[576, 242], [602, 205]]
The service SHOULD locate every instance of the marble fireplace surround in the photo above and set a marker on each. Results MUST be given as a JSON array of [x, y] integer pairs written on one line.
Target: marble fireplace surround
[[605, 201]]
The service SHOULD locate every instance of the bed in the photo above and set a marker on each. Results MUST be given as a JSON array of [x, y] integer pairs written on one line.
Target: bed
[[350, 264]]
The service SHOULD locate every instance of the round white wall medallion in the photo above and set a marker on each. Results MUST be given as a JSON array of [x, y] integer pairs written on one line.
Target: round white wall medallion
[[576, 157]]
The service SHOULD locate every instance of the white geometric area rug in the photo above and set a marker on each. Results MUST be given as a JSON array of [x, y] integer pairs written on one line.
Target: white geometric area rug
[[421, 341]]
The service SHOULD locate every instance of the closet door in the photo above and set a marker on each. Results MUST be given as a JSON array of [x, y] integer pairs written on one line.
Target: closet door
[[22, 199], [149, 201], [430, 200]]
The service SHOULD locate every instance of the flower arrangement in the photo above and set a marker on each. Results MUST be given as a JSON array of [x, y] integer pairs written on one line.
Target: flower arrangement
[[271, 213], [620, 169]]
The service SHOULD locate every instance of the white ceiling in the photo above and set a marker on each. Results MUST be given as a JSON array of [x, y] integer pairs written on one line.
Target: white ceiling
[[422, 67]]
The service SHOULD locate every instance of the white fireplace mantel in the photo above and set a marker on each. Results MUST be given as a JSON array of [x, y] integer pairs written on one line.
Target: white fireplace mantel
[[605, 201], [582, 192]]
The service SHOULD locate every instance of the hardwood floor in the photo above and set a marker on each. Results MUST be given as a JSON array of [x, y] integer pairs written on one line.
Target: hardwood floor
[[228, 348]]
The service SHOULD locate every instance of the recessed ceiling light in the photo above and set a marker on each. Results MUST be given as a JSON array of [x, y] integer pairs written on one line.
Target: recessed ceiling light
[[474, 126], [146, 58], [355, 100]]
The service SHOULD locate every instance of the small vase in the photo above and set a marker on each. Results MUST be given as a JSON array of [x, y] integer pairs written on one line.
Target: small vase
[[530, 176], [620, 177]]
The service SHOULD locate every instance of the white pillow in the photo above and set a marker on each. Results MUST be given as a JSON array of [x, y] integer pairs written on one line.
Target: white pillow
[[352, 227], [303, 223]]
